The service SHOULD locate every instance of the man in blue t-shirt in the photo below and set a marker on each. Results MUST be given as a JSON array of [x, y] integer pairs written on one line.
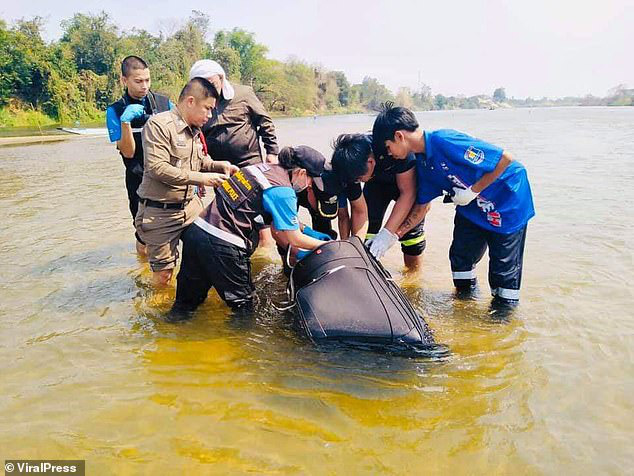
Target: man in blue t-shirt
[[490, 190]]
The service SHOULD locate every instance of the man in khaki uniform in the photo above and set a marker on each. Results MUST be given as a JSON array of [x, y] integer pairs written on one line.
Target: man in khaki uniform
[[175, 162]]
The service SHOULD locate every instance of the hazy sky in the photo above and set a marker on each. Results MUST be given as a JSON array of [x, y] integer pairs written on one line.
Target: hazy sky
[[532, 48]]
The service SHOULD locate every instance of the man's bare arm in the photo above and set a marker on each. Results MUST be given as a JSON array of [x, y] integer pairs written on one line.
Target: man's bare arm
[[126, 144], [359, 217], [416, 215]]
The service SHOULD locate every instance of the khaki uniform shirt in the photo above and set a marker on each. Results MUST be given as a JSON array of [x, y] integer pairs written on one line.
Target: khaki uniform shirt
[[237, 125], [173, 158]]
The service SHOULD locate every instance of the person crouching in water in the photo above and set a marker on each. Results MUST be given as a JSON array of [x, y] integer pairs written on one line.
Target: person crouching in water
[[217, 247]]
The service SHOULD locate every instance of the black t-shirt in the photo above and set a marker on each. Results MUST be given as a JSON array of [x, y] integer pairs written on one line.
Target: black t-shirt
[[334, 186], [387, 169]]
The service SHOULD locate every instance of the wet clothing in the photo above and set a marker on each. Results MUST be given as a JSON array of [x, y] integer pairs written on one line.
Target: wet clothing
[[209, 261], [160, 229], [153, 104], [218, 246], [237, 124], [497, 218], [174, 156], [506, 253]]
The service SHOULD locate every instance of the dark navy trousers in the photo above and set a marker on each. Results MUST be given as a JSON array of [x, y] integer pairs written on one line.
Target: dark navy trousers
[[506, 253]]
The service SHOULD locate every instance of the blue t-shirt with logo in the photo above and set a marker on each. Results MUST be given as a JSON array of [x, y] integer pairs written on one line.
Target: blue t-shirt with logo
[[281, 203], [454, 159]]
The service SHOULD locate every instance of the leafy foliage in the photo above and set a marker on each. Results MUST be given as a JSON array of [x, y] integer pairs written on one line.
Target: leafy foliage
[[76, 77]]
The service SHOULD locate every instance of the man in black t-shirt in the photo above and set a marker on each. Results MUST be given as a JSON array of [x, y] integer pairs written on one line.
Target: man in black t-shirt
[[320, 199], [386, 180]]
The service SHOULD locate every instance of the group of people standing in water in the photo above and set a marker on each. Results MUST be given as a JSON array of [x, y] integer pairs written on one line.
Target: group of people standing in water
[[210, 144]]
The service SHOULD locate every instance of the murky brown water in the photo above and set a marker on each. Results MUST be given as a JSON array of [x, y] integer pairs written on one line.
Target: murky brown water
[[90, 371]]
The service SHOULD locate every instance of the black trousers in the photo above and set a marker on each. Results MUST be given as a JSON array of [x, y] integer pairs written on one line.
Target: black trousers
[[378, 196], [506, 255], [210, 262], [132, 183]]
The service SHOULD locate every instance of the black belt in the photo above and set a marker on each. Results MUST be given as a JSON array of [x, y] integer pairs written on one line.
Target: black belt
[[166, 206]]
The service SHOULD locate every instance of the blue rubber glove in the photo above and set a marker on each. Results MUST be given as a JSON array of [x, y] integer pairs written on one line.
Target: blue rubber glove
[[132, 112], [318, 235], [302, 254]]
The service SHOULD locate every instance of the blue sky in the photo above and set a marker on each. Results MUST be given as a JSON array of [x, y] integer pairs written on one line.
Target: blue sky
[[532, 48]]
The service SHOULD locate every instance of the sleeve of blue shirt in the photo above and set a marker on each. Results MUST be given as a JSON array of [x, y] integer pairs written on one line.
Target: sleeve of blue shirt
[[170, 104], [464, 150], [281, 203], [113, 123]]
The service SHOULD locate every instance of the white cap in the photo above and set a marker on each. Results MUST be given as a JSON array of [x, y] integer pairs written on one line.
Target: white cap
[[207, 68]]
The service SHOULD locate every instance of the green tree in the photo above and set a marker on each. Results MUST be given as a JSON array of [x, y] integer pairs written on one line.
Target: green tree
[[372, 94], [14, 66], [327, 90], [345, 91], [440, 102], [422, 98], [404, 98], [93, 41], [499, 95], [251, 54]]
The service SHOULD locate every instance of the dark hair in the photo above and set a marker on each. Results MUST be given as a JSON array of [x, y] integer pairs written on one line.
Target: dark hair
[[350, 157], [200, 89], [390, 120], [130, 63], [286, 159]]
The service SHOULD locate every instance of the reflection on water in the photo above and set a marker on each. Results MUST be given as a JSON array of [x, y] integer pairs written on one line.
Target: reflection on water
[[91, 370]]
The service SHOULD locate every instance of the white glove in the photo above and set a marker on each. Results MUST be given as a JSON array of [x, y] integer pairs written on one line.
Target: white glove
[[463, 196], [382, 242]]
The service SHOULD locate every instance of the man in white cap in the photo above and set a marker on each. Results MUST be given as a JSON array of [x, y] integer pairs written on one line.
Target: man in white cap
[[239, 120], [238, 123]]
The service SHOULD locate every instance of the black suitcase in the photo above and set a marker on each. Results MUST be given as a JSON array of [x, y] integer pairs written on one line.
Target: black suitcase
[[343, 294]]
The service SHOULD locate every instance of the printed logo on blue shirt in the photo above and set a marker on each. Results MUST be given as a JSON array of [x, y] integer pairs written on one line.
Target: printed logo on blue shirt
[[473, 155]]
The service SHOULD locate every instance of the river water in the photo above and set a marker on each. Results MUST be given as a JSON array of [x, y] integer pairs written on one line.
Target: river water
[[90, 371]]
